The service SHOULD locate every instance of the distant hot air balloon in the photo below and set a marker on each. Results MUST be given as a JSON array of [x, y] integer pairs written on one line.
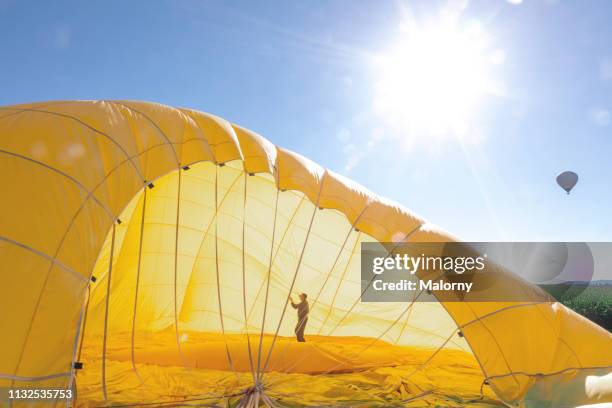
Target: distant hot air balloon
[[567, 180]]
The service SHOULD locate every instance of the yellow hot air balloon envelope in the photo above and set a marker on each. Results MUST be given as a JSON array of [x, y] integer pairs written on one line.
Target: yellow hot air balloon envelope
[[148, 253]]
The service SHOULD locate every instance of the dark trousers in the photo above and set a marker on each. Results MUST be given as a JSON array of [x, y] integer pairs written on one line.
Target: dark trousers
[[299, 330]]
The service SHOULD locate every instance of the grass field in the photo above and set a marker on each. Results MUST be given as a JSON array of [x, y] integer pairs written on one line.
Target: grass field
[[592, 301]]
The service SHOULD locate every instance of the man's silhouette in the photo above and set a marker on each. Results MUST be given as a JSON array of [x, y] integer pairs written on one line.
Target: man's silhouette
[[302, 311]]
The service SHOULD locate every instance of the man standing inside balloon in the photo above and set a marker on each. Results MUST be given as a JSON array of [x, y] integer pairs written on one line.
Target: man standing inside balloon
[[302, 312]]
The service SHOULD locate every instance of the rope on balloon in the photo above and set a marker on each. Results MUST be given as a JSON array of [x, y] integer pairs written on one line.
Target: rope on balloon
[[331, 269], [346, 268], [389, 253], [205, 235], [136, 289], [176, 245], [297, 269], [267, 280], [84, 325], [280, 243], [244, 299], [227, 350], [108, 290]]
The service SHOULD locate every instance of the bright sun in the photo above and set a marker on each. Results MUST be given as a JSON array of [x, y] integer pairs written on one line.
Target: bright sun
[[434, 78]]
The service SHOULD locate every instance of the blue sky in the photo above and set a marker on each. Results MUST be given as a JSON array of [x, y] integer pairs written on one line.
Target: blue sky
[[304, 75]]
